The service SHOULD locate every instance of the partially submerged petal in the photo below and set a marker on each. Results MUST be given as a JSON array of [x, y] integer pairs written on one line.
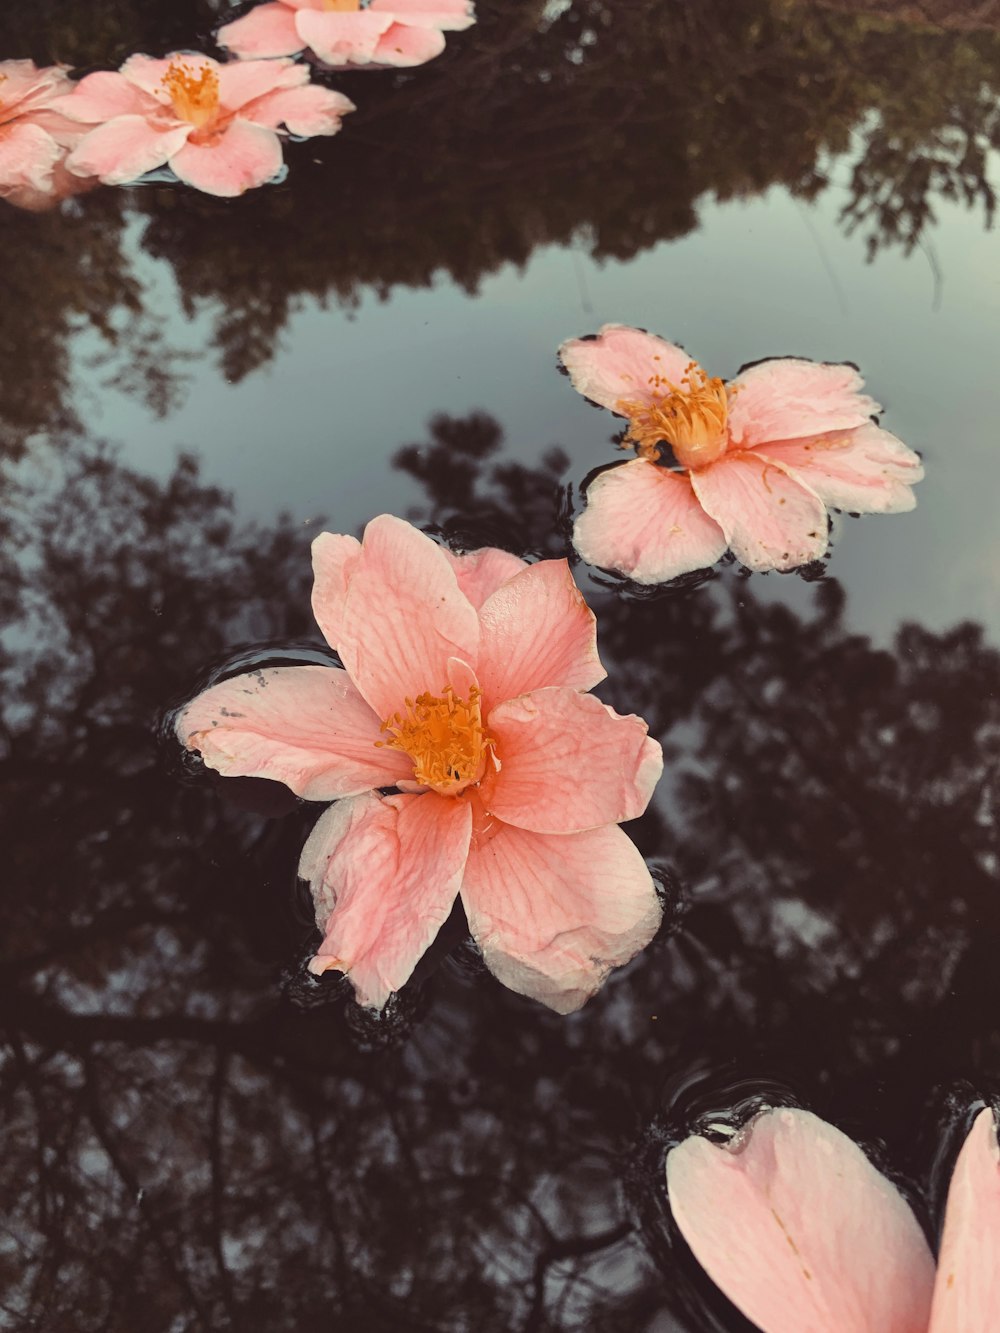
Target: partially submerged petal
[[307, 112], [800, 1231], [646, 522], [123, 149], [405, 45], [865, 470], [384, 873], [268, 30], [334, 557], [305, 726], [242, 158], [770, 519], [27, 157], [568, 762], [967, 1290], [788, 399], [343, 39], [619, 364], [480, 573], [553, 915]]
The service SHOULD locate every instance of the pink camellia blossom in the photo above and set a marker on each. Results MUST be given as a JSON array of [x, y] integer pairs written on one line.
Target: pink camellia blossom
[[215, 125], [465, 687], [34, 138], [759, 459], [803, 1235], [343, 34]]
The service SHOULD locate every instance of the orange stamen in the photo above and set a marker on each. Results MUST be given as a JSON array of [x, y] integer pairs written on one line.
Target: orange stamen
[[342, 6], [691, 417], [444, 737], [194, 93]]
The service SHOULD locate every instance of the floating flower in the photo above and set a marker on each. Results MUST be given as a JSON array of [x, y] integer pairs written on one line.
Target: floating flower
[[35, 139], [803, 1235], [758, 460], [464, 686], [341, 33], [215, 125]]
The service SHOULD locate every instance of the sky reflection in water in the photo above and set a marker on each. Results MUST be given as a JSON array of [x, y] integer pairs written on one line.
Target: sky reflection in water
[[199, 1136]]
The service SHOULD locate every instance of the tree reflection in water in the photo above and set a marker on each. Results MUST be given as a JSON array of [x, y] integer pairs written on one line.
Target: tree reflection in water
[[187, 1147]]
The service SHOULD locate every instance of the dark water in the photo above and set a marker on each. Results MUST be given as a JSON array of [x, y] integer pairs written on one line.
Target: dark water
[[196, 1134]]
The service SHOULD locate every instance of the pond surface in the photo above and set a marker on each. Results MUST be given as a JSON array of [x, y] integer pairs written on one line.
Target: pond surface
[[197, 1134]]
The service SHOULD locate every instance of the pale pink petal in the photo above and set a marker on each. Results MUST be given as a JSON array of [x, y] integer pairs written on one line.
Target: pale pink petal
[[304, 111], [771, 520], [305, 726], [334, 558], [123, 149], [404, 617], [646, 522], [268, 30], [788, 399], [537, 630], [967, 1290], [342, 39], [385, 873], [405, 46], [480, 573], [865, 470], [451, 15], [553, 915], [618, 364], [245, 81], [147, 73], [27, 157], [26, 87], [62, 185], [567, 763], [800, 1231], [102, 96], [243, 157]]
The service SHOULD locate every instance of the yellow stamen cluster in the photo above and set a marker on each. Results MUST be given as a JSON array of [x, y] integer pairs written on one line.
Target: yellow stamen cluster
[[342, 6], [444, 737], [691, 417], [194, 93]]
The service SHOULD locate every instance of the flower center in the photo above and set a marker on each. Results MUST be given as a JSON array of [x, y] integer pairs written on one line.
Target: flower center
[[444, 737], [194, 92], [691, 417], [341, 6]]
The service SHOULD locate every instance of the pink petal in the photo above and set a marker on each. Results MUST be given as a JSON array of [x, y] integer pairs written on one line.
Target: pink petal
[[553, 915], [26, 87], [123, 149], [967, 1290], [771, 520], [480, 573], [385, 873], [618, 364], [334, 558], [800, 1231], [62, 186], [453, 15], [865, 470], [305, 111], [646, 522], [27, 157], [102, 96], [268, 30], [305, 726], [404, 617], [404, 46], [342, 39], [788, 399], [537, 630], [568, 763], [245, 81], [147, 73], [243, 157]]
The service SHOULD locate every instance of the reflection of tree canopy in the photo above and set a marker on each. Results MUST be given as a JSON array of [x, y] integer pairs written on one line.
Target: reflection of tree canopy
[[184, 1148]]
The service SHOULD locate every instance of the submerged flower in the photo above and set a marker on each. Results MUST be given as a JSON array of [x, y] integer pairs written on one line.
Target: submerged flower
[[758, 460], [215, 125], [343, 33], [464, 686], [35, 139], [803, 1235]]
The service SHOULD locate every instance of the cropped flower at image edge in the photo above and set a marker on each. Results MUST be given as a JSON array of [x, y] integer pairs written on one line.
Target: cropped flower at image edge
[[464, 686]]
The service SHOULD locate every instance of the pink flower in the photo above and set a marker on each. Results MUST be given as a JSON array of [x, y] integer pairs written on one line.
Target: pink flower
[[759, 460], [803, 1235], [34, 139], [215, 126], [465, 687], [341, 33]]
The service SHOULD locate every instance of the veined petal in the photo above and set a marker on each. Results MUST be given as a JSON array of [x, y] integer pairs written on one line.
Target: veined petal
[[788, 399], [268, 30], [27, 87], [405, 45], [865, 470], [308, 111], [342, 39], [243, 157], [453, 15], [568, 762], [123, 149], [553, 915], [618, 364], [771, 520], [967, 1290], [334, 557], [385, 873], [480, 573], [305, 726], [800, 1231], [646, 522], [102, 96]]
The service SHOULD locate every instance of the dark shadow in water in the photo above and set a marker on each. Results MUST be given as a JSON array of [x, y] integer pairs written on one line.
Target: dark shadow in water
[[198, 1137]]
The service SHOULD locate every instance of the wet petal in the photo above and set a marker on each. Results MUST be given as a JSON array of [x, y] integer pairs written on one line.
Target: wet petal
[[800, 1231], [967, 1290], [304, 726], [245, 81], [770, 519], [123, 149], [27, 86], [451, 15], [334, 558], [268, 30], [27, 156], [553, 915], [385, 873], [618, 363], [243, 157], [568, 762], [480, 573], [102, 96], [405, 45], [304, 111], [537, 630], [788, 399], [865, 470], [646, 522], [342, 39]]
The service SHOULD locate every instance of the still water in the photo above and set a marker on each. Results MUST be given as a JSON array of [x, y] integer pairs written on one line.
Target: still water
[[199, 1135]]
